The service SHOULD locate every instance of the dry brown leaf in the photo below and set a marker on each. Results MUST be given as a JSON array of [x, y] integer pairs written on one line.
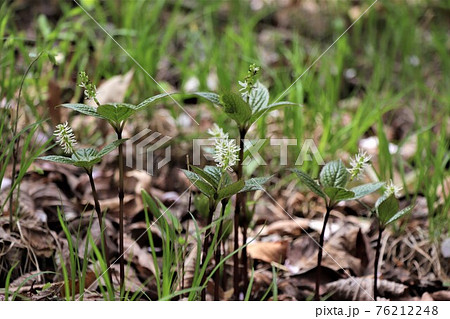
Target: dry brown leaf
[[268, 251], [39, 239], [139, 256], [442, 295], [288, 227], [354, 288]]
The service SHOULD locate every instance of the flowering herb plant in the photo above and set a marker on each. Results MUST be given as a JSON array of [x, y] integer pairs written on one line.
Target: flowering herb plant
[[244, 108], [116, 114], [332, 187], [85, 158], [216, 182]]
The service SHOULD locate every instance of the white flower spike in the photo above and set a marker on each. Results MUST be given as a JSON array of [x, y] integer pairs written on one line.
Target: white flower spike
[[359, 164], [65, 137], [391, 188], [226, 153]]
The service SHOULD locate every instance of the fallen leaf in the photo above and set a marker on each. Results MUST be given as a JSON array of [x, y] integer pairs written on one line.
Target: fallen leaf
[[268, 251], [361, 289]]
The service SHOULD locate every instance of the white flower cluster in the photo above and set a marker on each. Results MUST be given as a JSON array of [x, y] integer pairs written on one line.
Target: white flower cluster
[[65, 137], [359, 164], [391, 188], [226, 152]]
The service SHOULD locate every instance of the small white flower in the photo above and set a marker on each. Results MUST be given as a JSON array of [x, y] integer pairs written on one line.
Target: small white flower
[[226, 153], [391, 188], [217, 132], [359, 164], [65, 137], [245, 91]]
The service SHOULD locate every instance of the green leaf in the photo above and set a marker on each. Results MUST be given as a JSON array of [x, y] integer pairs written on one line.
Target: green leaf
[[83, 109], [116, 112], [387, 209], [203, 186], [255, 184], [400, 214], [230, 190], [57, 159], [212, 97], [86, 157], [337, 194], [110, 147], [334, 174], [215, 173], [309, 182], [366, 189], [236, 108], [269, 108], [210, 178], [259, 97], [152, 99]]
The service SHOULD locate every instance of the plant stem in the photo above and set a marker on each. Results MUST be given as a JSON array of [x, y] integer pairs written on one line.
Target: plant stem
[[212, 208], [100, 222], [375, 269], [121, 196], [240, 203], [218, 252], [320, 253]]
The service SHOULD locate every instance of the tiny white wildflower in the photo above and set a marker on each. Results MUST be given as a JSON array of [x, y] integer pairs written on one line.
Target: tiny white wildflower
[[65, 137], [217, 132], [358, 164], [226, 153], [391, 188]]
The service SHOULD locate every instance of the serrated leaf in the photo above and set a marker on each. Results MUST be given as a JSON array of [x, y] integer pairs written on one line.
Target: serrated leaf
[[215, 173], [309, 182], [152, 99], [366, 189], [110, 147], [210, 96], [387, 209], [269, 108], [116, 112], [255, 184], [203, 186], [83, 109], [86, 157], [259, 97], [236, 108], [337, 194], [211, 179], [57, 159], [334, 174], [400, 214], [230, 189]]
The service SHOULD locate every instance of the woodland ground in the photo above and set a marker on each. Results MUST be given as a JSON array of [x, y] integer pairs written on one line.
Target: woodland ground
[[383, 86]]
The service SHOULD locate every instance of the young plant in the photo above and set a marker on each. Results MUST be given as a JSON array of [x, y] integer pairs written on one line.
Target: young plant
[[244, 108], [116, 114], [386, 212], [333, 180], [85, 158], [216, 183]]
